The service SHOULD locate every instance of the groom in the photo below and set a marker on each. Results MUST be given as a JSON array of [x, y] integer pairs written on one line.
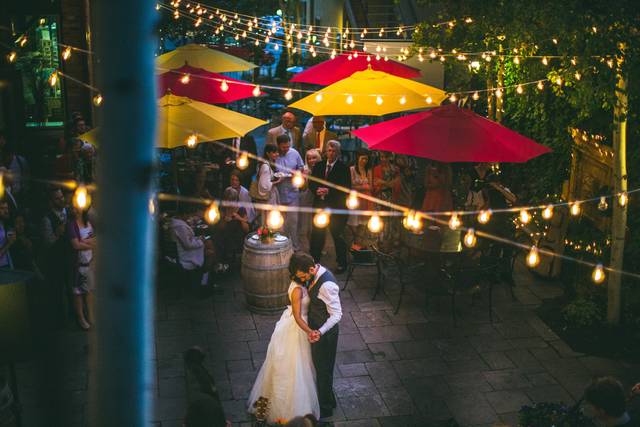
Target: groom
[[325, 312]]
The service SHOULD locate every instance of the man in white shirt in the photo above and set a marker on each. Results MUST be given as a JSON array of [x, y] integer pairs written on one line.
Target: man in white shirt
[[317, 135], [325, 311], [191, 249], [288, 161], [289, 128]]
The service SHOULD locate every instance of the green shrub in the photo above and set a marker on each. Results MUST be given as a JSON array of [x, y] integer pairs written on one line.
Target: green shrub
[[583, 312]]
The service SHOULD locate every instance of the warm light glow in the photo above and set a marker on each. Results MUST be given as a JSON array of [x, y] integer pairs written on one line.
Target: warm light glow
[[575, 209], [598, 274], [192, 140], [224, 86], [185, 79], [318, 97], [428, 100], [454, 222], [623, 198], [1, 185], [519, 90], [66, 53], [297, 180], [525, 217], [533, 257], [470, 238], [11, 57], [243, 161], [23, 41], [275, 220], [212, 214], [577, 75], [453, 98], [403, 100], [412, 221], [516, 60], [545, 60], [349, 99], [321, 219], [603, 205], [540, 85], [484, 216], [375, 224], [256, 91], [352, 200], [81, 197], [288, 95], [547, 212], [475, 96], [559, 81], [475, 65], [498, 93], [152, 206], [379, 100], [97, 100], [53, 79]]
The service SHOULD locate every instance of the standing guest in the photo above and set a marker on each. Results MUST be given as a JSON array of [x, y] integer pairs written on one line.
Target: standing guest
[[437, 197], [480, 176], [607, 399], [82, 240], [305, 219], [232, 227], [7, 236], [289, 128], [245, 144], [243, 195], [264, 189], [19, 170], [335, 172], [66, 164], [85, 167], [22, 252], [362, 182], [289, 160], [384, 175], [318, 135], [404, 184]]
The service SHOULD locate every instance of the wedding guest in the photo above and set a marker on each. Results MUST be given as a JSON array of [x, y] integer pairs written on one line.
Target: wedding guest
[[22, 251], [7, 236], [437, 197], [233, 226], [403, 188], [305, 219], [362, 182], [289, 128], [335, 172], [384, 175], [245, 144], [318, 135], [264, 189], [289, 160], [607, 398], [81, 236], [66, 165], [243, 195], [19, 170], [480, 176], [191, 249]]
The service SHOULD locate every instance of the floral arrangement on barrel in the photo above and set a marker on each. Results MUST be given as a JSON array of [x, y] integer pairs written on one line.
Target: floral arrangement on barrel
[[265, 234], [546, 414]]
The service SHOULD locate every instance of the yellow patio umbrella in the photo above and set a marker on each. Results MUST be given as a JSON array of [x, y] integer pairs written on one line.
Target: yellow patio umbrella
[[202, 57], [370, 93], [180, 119]]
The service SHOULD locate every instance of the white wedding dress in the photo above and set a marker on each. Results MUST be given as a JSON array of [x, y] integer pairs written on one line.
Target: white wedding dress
[[287, 377]]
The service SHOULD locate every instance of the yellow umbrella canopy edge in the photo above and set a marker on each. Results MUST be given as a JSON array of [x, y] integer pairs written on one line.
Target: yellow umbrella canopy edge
[[200, 56], [372, 93]]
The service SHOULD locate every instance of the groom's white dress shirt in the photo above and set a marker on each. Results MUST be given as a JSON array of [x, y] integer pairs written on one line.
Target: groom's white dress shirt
[[329, 293]]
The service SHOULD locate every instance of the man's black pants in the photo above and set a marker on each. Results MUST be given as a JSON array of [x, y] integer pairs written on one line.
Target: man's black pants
[[323, 353], [318, 237]]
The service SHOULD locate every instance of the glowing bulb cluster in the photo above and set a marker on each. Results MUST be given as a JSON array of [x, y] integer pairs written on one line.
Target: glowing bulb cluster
[[470, 238], [412, 221], [275, 220], [525, 216], [375, 224], [81, 197], [321, 219], [297, 180], [352, 200], [212, 214], [533, 257], [243, 161]]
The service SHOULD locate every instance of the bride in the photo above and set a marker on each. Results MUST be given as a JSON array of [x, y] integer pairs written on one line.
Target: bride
[[287, 376]]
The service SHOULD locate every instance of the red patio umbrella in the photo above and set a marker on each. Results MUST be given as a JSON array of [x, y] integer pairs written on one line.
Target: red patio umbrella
[[344, 65], [204, 86], [451, 134]]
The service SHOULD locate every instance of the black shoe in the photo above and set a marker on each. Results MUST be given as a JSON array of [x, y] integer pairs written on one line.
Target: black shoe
[[326, 413], [341, 269]]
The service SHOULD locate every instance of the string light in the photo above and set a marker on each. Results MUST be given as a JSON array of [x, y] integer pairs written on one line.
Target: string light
[[275, 220], [577, 75], [516, 60], [349, 99], [453, 98], [519, 90], [470, 238], [352, 200], [533, 257], [192, 140], [475, 96], [602, 204], [547, 212], [484, 216], [243, 161], [375, 224], [53, 78], [66, 53], [81, 197], [318, 97], [321, 219], [11, 57], [224, 86], [575, 209], [212, 214], [297, 180], [288, 95], [1, 185], [379, 100], [623, 198], [540, 85], [256, 91], [525, 217], [97, 100], [403, 100], [545, 60], [185, 79], [412, 221], [152, 206], [598, 274], [454, 222], [498, 93], [428, 100]]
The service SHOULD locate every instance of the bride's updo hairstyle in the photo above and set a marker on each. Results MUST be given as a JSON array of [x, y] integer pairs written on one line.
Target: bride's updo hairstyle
[[302, 262]]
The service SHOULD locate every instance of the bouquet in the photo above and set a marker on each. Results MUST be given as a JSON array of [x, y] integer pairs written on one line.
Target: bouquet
[[265, 234]]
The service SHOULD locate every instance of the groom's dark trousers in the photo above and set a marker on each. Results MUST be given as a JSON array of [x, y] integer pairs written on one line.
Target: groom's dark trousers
[[324, 359]]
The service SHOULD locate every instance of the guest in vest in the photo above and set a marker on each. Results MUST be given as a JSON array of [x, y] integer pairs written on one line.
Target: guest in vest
[[325, 311]]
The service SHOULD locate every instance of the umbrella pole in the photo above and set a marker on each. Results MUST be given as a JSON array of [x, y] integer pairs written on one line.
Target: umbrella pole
[[121, 382]]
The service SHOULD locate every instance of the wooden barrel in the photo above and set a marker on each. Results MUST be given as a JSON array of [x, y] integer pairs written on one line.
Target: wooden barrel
[[265, 273]]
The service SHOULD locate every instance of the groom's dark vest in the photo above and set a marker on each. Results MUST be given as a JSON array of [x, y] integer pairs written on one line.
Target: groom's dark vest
[[318, 313]]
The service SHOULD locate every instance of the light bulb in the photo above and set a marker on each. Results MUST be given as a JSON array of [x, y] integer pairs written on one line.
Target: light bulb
[[525, 217], [547, 212], [243, 161], [53, 79], [212, 214], [545, 60], [288, 95], [598, 274], [97, 100], [533, 257], [559, 81], [577, 75], [349, 99], [352, 200], [321, 219], [454, 222], [475, 96], [1, 185], [623, 198], [412, 221], [379, 100], [11, 57], [540, 85], [484, 216], [275, 220], [428, 100], [375, 224], [81, 197], [297, 180], [66, 53], [256, 91], [318, 97], [603, 205], [152, 206], [575, 209], [516, 60], [224, 86], [453, 98], [470, 238], [403, 100], [519, 90], [185, 79], [192, 140], [498, 93]]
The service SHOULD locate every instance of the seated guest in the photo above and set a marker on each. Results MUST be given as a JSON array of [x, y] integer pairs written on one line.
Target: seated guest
[[191, 249], [437, 197], [243, 195], [606, 397], [480, 176], [233, 226]]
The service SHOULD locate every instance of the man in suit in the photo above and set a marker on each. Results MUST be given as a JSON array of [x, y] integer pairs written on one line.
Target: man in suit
[[333, 170], [239, 145], [318, 135], [289, 128]]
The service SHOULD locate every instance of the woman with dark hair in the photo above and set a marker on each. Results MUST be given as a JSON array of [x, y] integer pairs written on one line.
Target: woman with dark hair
[[82, 240], [264, 189], [362, 182], [232, 227], [437, 182]]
